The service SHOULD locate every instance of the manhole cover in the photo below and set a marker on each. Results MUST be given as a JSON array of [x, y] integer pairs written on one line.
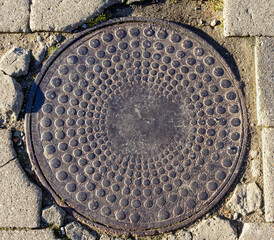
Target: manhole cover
[[138, 127]]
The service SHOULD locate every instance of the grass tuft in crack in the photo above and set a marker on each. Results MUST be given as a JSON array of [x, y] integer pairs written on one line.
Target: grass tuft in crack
[[101, 18], [216, 5], [50, 51]]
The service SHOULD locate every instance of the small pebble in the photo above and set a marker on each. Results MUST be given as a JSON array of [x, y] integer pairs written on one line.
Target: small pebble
[[202, 22], [63, 231], [39, 39], [236, 216], [214, 23], [253, 153]]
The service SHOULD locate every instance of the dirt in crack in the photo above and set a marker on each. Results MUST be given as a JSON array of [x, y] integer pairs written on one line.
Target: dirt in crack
[[141, 121]]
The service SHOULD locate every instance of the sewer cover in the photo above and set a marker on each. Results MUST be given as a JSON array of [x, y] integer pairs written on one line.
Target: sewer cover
[[137, 127]]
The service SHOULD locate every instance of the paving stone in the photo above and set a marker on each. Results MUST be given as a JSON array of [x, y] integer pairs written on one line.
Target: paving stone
[[15, 62], [255, 168], [53, 215], [77, 12], [11, 97], [214, 229], [169, 237], [246, 198], [268, 172], [248, 18], [105, 237], [43, 234], [264, 65], [14, 16], [183, 235], [20, 199], [255, 231], [40, 53], [75, 231], [6, 147]]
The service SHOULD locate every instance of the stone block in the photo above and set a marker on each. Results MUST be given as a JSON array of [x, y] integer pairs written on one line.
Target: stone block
[[53, 215], [248, 18], [41, 234], [14, 16], [11, 97], [15, 62], [255, 231], [20, 199], [75, 231], [7, 152], [264, 65], [64, 15], [246, 199], [214, 229], [268, 172]]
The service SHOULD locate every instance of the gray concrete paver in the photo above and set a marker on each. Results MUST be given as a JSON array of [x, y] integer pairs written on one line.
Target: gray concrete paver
[[14, 16], [246, 199], [53, 215], [15, 62], [20, 199], [76, 231], [255, 231], [248, 18], [7, 152], [268, 172], [64, 15], [214, 229], [43, 234], [11, 97], [264, 64]]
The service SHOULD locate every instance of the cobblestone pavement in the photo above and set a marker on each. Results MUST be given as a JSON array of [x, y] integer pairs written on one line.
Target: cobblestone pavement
[[29, 212]]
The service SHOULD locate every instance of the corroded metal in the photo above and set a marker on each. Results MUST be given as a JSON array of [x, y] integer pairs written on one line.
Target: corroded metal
[[138, 127]]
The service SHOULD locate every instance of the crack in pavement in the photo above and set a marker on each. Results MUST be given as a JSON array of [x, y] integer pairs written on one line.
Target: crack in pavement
[[8, 162]]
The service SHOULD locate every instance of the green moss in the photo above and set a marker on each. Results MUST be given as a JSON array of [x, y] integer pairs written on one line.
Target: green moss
[[50, 51], [222, 23], [101, 18], [216, 5], [7, 228]]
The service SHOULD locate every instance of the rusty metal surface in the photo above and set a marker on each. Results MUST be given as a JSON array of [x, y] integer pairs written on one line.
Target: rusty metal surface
[[136, 126]]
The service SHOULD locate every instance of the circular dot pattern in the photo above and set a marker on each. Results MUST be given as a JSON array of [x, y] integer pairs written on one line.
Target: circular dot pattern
[[141, 126]]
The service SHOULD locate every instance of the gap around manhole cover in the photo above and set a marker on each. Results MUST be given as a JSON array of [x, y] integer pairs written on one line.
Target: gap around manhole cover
[[138, 127]]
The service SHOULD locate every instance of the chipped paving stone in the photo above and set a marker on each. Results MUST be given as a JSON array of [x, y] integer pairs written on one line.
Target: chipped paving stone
[[255, 231], [20, 199], [11, 97], [76, 231], [7, 152], [15, 62], [214, 229], [246, 198], [53, 215]]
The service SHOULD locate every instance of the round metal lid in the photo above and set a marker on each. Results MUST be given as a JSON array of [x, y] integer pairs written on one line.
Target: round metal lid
[[138, 127]]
